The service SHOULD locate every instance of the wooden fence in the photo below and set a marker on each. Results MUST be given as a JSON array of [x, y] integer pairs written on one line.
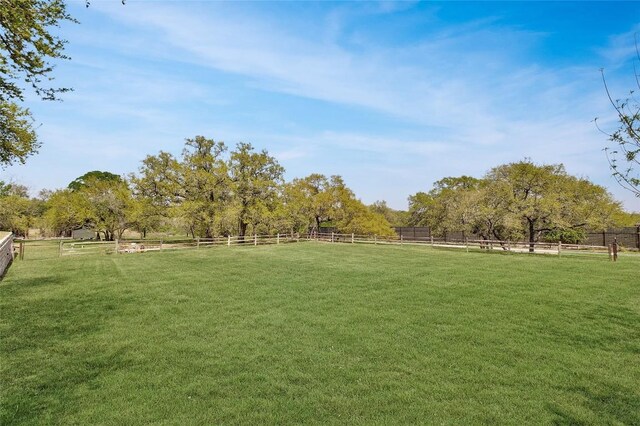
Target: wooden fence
[[70, 248], [64, 247], [6, 252], [468, 244], [628, 237]]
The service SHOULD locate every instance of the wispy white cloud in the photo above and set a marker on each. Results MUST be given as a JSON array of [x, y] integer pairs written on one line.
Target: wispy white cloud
[[471, 93]]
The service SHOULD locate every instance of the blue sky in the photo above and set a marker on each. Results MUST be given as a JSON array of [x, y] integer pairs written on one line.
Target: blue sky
[[392, 96]]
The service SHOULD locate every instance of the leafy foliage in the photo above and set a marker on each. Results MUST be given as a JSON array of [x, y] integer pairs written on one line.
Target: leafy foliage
[[89, 177], [514, 201], [27, 47], [18, 138], [624, 156]]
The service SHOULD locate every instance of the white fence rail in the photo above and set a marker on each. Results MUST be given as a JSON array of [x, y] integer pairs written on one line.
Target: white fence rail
[[6, 252], [513, 246], [73, 248], [69, 248]]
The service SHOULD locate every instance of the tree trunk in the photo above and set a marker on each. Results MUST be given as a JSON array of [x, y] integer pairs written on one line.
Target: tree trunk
[[243, 231], [532, 238]]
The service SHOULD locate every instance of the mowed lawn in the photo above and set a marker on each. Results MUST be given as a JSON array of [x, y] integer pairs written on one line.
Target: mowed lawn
[[320, 333]]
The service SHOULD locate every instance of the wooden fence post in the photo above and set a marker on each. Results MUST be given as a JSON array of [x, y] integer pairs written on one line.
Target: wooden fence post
[[160, 245], [21, 250], [375, 239], [432, 241], [352, 237], [278, 239], [198, 243], [331, 236], [117, 246], [401, 242], [228, 240], [559, 247], [60, 249], [466, 243], [255, 239]]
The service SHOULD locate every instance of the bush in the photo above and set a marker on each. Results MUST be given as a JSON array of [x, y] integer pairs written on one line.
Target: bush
[[566, 236]]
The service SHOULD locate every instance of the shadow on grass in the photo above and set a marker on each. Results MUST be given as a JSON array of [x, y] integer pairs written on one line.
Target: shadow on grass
[[609, 403], [55, 392], [53, 348]]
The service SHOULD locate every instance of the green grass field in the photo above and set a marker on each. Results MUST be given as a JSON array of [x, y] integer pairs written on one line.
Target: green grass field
[[320, 333]]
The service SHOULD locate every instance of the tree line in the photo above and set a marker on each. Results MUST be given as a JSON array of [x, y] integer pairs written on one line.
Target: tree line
[[207, 191], [210, 190]]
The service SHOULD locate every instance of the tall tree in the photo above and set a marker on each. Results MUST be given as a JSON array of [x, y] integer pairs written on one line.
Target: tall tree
[[194, 188], [18, 212], [68, 210], [27, 48], [394, 217], [545, 198], [255, 181], [18, 138], [205, 184], [96, 175], [112, 206]]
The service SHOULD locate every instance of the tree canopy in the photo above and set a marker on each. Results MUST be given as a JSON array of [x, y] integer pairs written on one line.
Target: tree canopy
[[515, 201], [28, 46], [210, 190]]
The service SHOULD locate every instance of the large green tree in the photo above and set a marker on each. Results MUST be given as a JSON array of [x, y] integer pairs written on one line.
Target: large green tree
[[256, 178], [28, 46], [18, 212], [194, 189], [68, 210], [205, 185], [515, 201], [394, 217], [90, 177]]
